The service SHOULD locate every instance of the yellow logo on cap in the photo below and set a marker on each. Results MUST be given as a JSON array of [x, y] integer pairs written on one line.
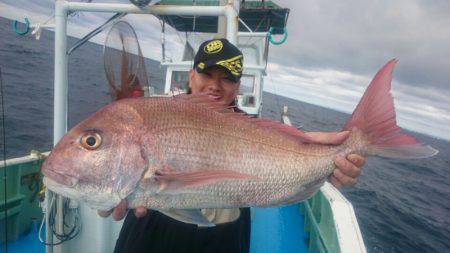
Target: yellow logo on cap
[[234, 65], [213, 47], [201, 65]]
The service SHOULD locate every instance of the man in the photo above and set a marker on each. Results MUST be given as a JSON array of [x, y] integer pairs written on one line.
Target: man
[[216, 73]]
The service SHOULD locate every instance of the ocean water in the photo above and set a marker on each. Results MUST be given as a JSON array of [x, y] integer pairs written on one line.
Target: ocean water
[[401, 205]]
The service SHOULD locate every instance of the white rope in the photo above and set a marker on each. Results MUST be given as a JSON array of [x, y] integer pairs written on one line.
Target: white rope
[[43, 219]]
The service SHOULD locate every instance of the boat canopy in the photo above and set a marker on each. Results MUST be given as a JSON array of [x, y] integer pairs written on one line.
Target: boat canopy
[[259, 16]]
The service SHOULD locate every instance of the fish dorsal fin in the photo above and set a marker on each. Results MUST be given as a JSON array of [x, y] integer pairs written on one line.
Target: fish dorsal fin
[[287, 130], [228, 112]]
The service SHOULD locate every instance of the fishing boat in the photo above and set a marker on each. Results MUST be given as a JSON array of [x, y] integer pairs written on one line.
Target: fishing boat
[[324, 223]]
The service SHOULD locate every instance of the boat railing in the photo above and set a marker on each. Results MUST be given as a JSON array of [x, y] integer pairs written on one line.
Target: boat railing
[[32, 157], [19, 206]]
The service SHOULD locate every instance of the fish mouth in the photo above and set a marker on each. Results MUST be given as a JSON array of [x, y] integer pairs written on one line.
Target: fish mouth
[[84, 193], [58, 188], [61, 178]]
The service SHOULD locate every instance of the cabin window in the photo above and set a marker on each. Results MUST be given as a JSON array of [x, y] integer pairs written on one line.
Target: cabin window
[[179, 81], [247, 84]]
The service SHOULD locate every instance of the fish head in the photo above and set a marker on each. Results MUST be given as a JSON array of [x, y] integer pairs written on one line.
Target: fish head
[[101, 159]]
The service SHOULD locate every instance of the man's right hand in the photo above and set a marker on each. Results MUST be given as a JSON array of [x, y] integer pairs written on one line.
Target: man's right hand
[[121, 210]]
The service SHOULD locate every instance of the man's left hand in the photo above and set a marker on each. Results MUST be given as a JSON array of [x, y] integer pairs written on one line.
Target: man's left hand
[[347, 169]]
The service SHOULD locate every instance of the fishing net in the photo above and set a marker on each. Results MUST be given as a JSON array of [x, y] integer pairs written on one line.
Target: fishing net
[[124, 63]]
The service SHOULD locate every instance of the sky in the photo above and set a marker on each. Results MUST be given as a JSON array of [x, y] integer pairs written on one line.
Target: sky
[[333, 50]]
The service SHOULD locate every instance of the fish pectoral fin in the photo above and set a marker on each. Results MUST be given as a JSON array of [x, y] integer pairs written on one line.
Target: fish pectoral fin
[[191, 216], [170, 179]]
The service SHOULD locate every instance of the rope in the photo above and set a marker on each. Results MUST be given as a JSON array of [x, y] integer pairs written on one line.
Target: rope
[[277, 99], [73, 230]]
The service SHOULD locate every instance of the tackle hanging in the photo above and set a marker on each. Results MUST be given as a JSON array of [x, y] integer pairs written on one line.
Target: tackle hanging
[[23, 32]]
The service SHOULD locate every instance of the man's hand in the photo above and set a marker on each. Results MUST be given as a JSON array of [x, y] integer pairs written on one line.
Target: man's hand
[[121, 209], [347, 169]]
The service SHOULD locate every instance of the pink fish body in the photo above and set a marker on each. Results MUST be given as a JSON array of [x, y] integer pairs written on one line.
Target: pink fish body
[[180, 154]]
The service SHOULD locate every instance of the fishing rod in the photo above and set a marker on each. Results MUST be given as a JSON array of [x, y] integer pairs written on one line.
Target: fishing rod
[[4, 160]]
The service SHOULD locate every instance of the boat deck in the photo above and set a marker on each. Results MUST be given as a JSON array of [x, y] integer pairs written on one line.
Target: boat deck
[[278, 230], [272, 230], [27, 243]]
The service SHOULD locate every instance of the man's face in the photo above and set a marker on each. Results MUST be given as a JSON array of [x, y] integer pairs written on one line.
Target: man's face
[[215, 83]]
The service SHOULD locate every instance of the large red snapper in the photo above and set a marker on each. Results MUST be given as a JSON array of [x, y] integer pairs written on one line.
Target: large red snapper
[[180, 154]]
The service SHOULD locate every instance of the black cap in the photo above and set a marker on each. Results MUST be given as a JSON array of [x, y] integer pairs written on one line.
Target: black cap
[[219, 52]]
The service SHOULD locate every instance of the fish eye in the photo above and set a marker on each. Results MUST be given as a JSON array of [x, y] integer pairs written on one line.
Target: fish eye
[[91, 141]]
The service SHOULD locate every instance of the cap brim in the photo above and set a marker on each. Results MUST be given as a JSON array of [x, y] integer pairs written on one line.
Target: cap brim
[[209, 64]]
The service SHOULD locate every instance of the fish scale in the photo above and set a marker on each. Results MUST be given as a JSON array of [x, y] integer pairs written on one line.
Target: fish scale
[[275, 173]]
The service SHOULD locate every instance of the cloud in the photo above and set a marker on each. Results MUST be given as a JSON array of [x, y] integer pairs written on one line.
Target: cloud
[[333, 50], [357, 36], [418, 109]]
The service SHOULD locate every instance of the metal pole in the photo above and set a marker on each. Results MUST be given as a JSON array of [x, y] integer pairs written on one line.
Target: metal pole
[[232, 14], [60, 104], [163, 41], [48, 232], [61, 67], [222, 22], [154, 9]]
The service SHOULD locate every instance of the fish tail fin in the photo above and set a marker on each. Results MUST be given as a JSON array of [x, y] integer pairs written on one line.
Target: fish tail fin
[[375, 117]]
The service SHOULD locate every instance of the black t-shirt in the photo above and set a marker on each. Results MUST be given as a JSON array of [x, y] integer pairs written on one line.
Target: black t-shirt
[[157, 232]]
